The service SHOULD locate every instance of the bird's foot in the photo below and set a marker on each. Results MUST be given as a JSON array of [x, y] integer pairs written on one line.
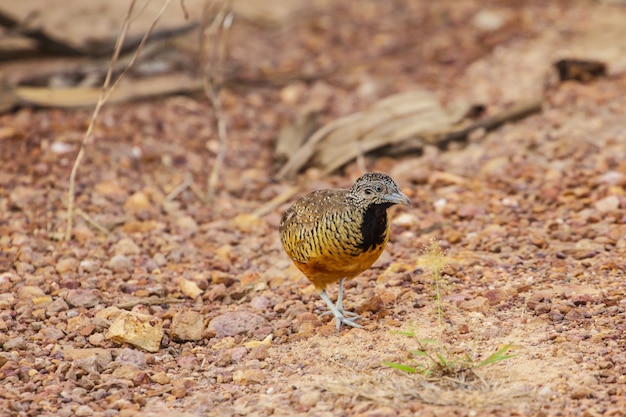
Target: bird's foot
[[341, 316], [346, 314], [351, 315], [345, 317], [348, 321]]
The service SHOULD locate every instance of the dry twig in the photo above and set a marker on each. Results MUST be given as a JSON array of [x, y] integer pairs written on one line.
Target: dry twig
[[107, 88], [186, 184], [92, 222], [179, 189], [148, 301], [275, 202], [216, 21]]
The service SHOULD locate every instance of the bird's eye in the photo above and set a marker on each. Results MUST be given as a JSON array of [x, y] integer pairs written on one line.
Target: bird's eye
[[379, 189]]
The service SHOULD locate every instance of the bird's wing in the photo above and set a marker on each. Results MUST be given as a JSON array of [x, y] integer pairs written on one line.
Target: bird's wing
[[302, 222], [296, 228]]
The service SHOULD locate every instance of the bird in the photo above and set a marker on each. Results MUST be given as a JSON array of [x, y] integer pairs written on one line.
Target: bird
[[335, 234]]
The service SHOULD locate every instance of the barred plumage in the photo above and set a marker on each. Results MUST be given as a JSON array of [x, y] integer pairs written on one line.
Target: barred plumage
[[332, 235]]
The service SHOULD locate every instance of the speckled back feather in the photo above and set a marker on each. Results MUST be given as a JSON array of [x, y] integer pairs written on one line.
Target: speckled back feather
[[333, 234]]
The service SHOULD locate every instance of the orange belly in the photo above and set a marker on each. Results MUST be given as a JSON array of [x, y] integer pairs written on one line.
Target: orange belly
[[327, 268]]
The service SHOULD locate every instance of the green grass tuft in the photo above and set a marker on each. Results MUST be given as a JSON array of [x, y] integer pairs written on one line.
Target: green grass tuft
[[438, 361]]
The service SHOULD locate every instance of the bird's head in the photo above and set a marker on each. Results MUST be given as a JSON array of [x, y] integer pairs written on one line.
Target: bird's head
[[377, 188]]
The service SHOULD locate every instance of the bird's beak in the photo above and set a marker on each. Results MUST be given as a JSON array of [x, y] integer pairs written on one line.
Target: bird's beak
[[397, 198]]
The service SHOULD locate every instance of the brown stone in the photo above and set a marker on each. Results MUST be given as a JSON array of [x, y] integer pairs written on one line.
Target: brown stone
[[187, 325], [249, 377], [138, 329], [480, 304]]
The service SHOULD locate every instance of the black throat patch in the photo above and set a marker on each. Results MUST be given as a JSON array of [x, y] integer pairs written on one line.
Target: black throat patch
[[374, 226]]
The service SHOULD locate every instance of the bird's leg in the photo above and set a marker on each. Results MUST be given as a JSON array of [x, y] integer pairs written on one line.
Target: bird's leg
[[340, 302], [338, 314], [340, 296]]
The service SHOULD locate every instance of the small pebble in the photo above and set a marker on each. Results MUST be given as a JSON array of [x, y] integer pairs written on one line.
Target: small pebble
[[237, 322], [89, 365], [82, 298], [607, 204], [187, 325], [180, 388], [96, 339], [189, 362], [15, 343], [187, 224], [89, 265], [249, 377], [138, 203], [67, 265], [310, 398], [260, 303], [132, 357], [120, 263], [405, 220], [83, 411], [28, 292], [480, 304], [159, 259], [189, 288], [57, 305], [496, 296], [126, 246], [51, 334], [161, 378]]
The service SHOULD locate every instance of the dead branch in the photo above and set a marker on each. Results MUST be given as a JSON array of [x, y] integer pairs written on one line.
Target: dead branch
[[398, 124], [42, 39], [49, 45], [77, 97], [516, 112]]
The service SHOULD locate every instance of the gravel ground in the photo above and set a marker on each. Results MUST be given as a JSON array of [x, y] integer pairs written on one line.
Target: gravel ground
[[179, 307]]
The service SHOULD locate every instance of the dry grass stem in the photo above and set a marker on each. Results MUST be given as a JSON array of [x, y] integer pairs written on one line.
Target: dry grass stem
[[92, 222], [148, 301], [187, 183], [178, 190], [107, 88], [275, 202], [434, 260], [197, 192], [216, 22], [221, 132]]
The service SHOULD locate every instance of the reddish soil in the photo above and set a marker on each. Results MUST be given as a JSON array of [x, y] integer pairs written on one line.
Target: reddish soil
[[532, 218]]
